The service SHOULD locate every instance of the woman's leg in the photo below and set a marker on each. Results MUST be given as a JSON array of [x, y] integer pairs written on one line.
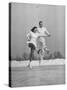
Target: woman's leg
[[32, 48], [31, 57], [30, 54]]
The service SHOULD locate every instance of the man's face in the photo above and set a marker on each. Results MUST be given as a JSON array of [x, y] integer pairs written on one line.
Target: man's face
[[41, 24]]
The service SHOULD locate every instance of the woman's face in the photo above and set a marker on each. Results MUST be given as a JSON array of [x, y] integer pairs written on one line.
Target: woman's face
[[35, 30]]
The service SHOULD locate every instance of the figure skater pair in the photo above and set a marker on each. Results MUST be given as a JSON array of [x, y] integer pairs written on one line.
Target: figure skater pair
[[36, 41]]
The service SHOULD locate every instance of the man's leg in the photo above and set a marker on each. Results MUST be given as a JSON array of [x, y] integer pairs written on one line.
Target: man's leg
[[41, 55], [41, 52], [46, 50]]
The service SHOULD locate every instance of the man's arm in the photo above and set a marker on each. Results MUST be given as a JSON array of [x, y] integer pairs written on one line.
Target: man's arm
[[42, 35], [47, 33]]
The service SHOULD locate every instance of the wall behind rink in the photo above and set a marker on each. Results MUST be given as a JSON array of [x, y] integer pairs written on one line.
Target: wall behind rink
[[25, 16]]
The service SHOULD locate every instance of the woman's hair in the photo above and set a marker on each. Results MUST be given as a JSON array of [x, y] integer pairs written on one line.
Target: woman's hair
[[33, 28]]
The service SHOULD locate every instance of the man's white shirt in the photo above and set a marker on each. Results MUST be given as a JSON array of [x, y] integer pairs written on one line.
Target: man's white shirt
[[43, 31]]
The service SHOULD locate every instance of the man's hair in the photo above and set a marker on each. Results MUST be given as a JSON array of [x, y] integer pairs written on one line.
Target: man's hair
[[40, 22], [33, 28]]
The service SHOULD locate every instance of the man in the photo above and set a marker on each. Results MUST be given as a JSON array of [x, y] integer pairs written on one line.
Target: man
[[43, 31]]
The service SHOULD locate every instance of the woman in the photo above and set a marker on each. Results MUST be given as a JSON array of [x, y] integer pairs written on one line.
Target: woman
[[32, 44]]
